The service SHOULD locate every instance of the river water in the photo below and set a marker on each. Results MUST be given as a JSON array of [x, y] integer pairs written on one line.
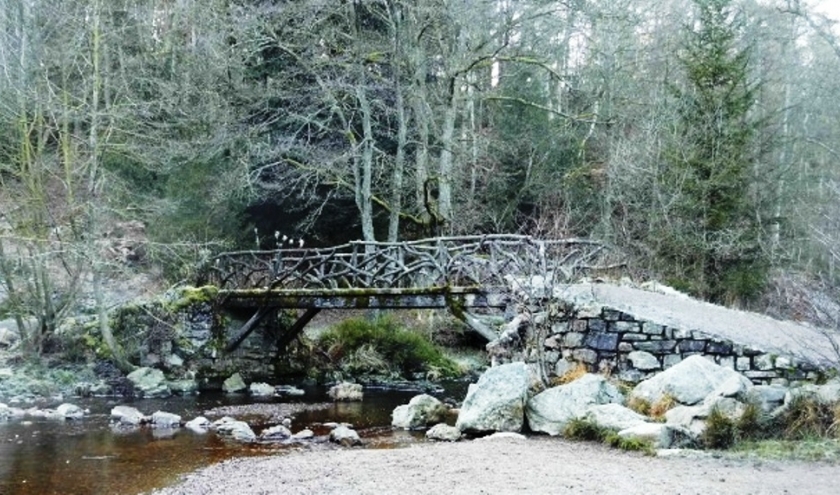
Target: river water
[[88, 456]]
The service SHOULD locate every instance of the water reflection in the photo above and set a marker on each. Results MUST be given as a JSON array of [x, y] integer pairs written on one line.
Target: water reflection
[[40, 457]]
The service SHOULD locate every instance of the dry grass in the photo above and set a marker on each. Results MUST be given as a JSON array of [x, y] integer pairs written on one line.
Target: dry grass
[[573, 374], [663, 405], [639, 405]]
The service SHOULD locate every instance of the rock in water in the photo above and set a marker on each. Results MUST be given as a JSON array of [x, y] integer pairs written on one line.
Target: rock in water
[[234, 383], [70, 411], [346, 391], [150, 382], [199, 424], [275, 433], [497, 401], [162, 419], [421, 410], [444, 432], [551, 410], [288, 390], [345, 436], [127, 415], [261, 390], [691, 381], [238, 430]]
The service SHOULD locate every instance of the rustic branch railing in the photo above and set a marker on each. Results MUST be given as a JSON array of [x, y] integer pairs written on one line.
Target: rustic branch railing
[[467, 261]]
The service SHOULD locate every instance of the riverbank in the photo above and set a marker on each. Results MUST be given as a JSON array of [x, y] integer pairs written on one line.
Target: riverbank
[[536, 465]]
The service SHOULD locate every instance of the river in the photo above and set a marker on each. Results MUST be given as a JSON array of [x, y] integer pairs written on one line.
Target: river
[[88, 456]]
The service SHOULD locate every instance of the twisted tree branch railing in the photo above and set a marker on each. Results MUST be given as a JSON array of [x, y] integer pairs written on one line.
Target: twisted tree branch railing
[[465, 261]]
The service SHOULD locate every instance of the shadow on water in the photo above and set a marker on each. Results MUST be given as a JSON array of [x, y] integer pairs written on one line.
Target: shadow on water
[[41, 457]]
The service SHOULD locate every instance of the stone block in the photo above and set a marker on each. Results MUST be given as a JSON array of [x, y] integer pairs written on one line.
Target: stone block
[[573, 339], [742, 364], [783, 362], [625, 347], [597, 325], [749, 351], [601, 341], [552, 357], [589, 312], [644, 361], [652, 329], [656, 347], [752, 375], [678, 333], [692, 345], [669, 360], [622, 326], [634, 337], [578, 325], [611, 314], [764, 362], [718, 347], [585, 356], [727, 362], [553, 341]]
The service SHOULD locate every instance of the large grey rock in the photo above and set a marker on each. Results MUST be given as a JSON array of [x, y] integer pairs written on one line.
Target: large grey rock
[[161, 419], [769, 397], [443, 432], [497, 401], [551, 410], [692, 419], [346, 391], [644, 361], [278, 432], [150, 382], [70, 411], [238, 430], [614, 416], [421, 410], [199, 424], [345, 436], [660, 436], [261, 390], [691, 381], [234, 384], [127, 415]]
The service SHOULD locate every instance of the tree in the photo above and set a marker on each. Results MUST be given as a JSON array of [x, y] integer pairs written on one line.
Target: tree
[[713, 241]]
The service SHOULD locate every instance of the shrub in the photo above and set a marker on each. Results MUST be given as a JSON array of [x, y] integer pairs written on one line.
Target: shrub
[[382, 345], [587, 430], [807, 417], [721, 431]]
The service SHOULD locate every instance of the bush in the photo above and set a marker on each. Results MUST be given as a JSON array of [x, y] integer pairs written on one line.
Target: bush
[[807, 418], [721, 431], [587, 430], [380, 346]]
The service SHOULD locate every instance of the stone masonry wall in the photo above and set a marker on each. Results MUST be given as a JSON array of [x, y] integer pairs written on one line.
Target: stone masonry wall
[[606, 339]]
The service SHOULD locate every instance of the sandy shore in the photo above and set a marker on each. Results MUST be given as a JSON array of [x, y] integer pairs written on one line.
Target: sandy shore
[[537, 465]]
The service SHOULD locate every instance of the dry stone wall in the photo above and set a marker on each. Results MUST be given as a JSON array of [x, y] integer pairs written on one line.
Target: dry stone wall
[[632, 349]]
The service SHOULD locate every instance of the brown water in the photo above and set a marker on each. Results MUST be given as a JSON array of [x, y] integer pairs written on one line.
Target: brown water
[[42, 457]]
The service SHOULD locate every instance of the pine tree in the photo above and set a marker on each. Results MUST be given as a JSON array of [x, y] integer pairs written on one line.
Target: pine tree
[[713, 241]]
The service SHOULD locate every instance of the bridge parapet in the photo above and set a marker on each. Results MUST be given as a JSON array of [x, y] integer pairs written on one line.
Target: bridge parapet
[[464, 261]]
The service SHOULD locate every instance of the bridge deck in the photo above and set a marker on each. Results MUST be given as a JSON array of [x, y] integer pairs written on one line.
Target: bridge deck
[[371, 298]]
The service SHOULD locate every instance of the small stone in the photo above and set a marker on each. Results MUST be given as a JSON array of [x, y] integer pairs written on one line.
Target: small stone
[[652, 328], [764, 362], [162, 419], [288, 390], [274, 433], [573, 339], [346, 391], [303, 435], [199, 424], [443, 432], [70, 411], [670, 360], [585, 355], [345, 437], [742, 363], [259, 389], [234, 384], [127, 415]]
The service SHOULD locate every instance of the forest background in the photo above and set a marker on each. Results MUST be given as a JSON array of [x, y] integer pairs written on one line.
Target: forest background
[[697, 138]]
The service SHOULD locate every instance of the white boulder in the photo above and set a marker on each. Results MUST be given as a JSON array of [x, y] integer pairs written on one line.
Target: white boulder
[[234, 384], [421, 410], [259, 389], [443, 432], [126, 415], [551, 410], [497, 401], [345, 436], [161, 419], [691, 381], [70, 411]]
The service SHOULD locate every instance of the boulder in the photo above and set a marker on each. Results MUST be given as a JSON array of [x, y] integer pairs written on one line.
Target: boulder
[[275, 433], [346, 391], [644, 361], [691, 381], [692, 419], [497, 401], [126, 415], [199, 424], [660, 436], [238, 430], [261, 390], [769, 397], [70, 411], [421, 410], [303, 435], [345, 436], [234, 384], [149, 382], [443, 432], [288, 391], [551, 410], [614, 416], [162, 419]]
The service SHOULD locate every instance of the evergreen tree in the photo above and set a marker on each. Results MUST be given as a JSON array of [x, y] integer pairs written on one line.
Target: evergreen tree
[[712, 238]]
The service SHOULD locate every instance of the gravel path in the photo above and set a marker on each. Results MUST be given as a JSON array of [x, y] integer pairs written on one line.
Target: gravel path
[[539, 465]]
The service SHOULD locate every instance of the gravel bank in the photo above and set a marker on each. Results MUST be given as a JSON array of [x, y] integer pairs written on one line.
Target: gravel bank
[[535, 466]]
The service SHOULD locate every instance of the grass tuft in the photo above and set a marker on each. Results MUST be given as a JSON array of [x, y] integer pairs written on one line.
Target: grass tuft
[[721, 431], [573, 374], [587, 430]]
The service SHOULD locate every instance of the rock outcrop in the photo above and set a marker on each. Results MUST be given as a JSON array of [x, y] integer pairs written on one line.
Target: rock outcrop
[[691, 381]]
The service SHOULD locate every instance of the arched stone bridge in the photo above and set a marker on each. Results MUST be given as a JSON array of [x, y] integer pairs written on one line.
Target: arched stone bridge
[[445, 272]]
